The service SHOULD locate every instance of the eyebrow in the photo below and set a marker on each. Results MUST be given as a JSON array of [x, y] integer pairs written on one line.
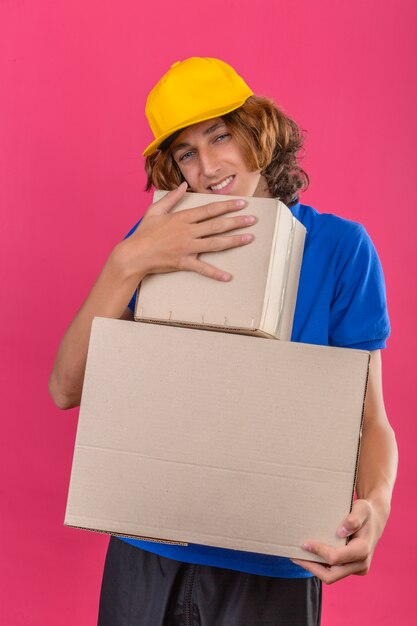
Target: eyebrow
[[208, 131]]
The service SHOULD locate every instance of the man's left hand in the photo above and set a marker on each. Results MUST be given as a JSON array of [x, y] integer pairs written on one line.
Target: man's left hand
[[364, 528]]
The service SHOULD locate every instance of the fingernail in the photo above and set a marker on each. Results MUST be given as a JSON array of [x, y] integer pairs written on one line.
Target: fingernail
[[226, 277], [240, 203], [246, 238], [343, 532], [306, 546], [250, 219]]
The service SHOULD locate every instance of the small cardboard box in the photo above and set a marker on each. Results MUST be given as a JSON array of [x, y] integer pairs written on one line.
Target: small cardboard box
[[226, 440], [261, 298]]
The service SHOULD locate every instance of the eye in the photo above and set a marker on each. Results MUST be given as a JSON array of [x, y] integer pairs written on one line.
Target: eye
[[222, 136], [185, 156]]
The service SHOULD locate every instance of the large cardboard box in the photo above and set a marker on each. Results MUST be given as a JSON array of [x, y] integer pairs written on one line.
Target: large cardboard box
[[259, 300], [224, 440]]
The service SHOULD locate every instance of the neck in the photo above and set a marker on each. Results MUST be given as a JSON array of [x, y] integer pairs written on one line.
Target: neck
[[262, 190]]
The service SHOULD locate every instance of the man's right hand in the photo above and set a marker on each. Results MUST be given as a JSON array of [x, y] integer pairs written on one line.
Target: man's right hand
[[168, 242]]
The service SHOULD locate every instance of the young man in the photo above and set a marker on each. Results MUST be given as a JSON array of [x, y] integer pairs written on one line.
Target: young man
[[212, 135]]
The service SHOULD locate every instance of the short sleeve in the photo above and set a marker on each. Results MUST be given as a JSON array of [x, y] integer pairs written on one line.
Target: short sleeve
[[358, 312], [132, 302]]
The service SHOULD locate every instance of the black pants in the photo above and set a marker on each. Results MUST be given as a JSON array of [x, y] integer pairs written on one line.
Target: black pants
[[140, 588]]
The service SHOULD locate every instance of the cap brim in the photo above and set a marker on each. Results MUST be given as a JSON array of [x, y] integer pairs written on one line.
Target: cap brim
[[202, 118]]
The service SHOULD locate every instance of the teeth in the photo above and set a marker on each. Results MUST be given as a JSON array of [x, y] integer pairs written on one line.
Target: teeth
[[221, 185]]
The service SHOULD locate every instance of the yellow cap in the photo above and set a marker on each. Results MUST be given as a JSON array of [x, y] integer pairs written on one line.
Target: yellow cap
[[192, 91]]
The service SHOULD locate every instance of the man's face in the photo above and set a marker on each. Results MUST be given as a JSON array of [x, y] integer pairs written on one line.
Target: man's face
[[211, 160]]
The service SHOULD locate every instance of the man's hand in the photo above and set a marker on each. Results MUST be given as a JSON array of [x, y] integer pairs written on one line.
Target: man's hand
[[168, 241], [364, 527]]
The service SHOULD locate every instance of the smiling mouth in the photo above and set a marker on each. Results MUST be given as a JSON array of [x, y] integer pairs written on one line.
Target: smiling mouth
[[221, 184]]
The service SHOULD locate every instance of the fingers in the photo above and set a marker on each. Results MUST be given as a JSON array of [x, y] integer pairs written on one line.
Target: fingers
[[222, 225], [197, 214], [213, 209], [216, 244], [355, 557], [205, 269], [176, 239], [361, 512], [356, 550], [330, 575], [168, 202]]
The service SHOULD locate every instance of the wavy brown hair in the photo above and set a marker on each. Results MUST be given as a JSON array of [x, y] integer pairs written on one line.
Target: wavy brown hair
[[270, 141]]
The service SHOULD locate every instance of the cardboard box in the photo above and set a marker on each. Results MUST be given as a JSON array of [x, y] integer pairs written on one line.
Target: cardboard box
[[259, 300], [225, 440]]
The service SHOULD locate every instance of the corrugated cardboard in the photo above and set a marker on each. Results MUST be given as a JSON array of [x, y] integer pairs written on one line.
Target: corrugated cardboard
[[261, 297], [213, 438]]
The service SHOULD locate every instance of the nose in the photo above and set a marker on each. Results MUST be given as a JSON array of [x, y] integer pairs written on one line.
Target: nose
[[209, 163]]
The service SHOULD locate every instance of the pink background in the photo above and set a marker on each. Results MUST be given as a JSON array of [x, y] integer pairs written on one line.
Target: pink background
[[74, 79]]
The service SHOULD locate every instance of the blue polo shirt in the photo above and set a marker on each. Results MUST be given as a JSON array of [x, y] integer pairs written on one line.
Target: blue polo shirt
[[341, 302]]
